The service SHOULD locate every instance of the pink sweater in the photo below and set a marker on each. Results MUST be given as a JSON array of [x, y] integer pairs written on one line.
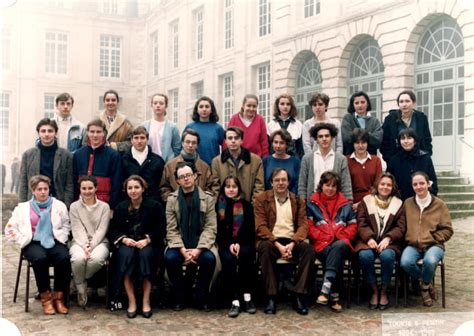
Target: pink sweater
[[255, 136]]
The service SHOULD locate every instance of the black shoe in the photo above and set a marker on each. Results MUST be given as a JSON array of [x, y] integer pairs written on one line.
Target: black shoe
[[147, 314], [132, 314], [373, 306], [205, 307], [384, 306], [270, 307], [178, 307], [249, 307], [300, 305], [234, 311]]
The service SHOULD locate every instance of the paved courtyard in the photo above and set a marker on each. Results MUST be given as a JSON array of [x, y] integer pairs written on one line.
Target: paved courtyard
[[358, 320]]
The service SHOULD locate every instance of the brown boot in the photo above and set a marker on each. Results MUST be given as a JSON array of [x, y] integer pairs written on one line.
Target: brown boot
[[58, 301], [47, 302], [425, 295]]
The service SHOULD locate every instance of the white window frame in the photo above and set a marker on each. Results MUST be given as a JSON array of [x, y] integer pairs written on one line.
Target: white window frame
[[174, 43], [311, 8], [308, 81], [174, 104], [264, 17], [49, 105], [110, 49], [6, 47], [227, 84], [228, 24], [199, 24], [264, 90], [154, 53], [56, 44], [197, 90], [110, 7], [5, 108]]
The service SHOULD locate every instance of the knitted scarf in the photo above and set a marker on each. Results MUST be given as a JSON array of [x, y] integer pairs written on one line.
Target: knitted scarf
[[190, 221], [44, 229], [191, 158], [237, 212]]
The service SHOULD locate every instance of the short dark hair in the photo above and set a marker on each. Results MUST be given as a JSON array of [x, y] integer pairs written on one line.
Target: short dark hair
[[47, 122], [319, 96], [284, 134], [237, 182], [190, 131], [140, 130], [115, 93], [97, 122], [88, 179], [37, 179], [64, 97], [277, 171], [407, 132], [360, 134], [350, 107], [213, 117], [137, 178], [313, 132], [238, 130], [293, 110], [183, 164], [375, 187], [246, 97], [410, 93], [329, 176]]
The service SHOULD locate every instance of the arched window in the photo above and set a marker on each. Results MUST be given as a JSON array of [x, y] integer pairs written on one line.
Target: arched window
[[308, 81], [439, 87], [366, 73]]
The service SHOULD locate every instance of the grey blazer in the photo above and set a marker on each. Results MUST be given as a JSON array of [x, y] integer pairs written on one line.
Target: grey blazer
[[62, 174], [306, 179]]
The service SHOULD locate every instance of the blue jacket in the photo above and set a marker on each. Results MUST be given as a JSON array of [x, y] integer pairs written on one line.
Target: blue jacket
[[170, 141], [75, 135]]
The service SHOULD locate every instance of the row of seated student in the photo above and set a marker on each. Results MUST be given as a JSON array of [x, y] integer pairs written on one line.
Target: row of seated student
[[197, 231]]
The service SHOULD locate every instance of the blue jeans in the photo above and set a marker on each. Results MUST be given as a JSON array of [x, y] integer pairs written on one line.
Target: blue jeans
[[430, 260], [387, 260]]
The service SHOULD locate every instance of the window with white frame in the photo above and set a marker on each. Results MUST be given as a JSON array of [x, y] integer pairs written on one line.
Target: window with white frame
[[4, 116], [308, 81], [174, 43], [311, 8], [49, 105], [264, 91], [110, 54], [56, 52], [228, 24], [109, 6], [154, 53], [264, 17], [199, 21], [366, 73], [227, 81], [6, 43], [198, 90], [174, 104]]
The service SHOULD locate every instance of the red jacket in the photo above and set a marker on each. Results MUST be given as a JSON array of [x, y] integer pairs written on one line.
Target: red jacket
[[323, 230]]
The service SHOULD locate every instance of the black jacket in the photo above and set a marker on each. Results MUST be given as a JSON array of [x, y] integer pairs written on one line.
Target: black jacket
[[246, 235], [151, 170], [392, 126]]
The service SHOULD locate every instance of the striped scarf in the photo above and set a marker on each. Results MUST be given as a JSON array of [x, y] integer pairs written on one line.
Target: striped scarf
[[237, 212]]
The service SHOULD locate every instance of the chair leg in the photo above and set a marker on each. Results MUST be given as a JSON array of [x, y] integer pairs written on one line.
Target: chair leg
[[405, 284], [349, 283], [397, 271], [27, 291], [443, 287], [18, 273]]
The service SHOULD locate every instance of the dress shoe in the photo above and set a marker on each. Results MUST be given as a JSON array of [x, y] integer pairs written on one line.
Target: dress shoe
[[234, 311], [132, 314], [300, 305], [147, 314], [47, 302], [384, 306], [373, 306], [249, 307], [178, 306], [58, 302], [205, 307], [270, 307]]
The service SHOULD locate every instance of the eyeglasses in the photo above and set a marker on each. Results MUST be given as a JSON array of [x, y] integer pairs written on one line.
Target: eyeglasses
[[186, 176]]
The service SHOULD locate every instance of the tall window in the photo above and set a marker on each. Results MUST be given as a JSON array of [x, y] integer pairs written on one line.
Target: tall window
[[174, 43], [227, 97], [154, 52], [49, 105], [110, 50], [308, 81], [228, 24], [366, 73], [264, 91], [109, 6], [4, 117], [56, 52], [174, 104], [6, 43], [311, 8], [264, 17], [199, 15], [198, 90]]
